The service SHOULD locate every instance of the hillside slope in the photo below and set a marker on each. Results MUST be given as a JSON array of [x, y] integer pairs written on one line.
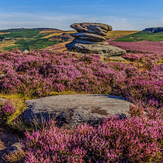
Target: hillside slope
[[41, 38], [142, 35]]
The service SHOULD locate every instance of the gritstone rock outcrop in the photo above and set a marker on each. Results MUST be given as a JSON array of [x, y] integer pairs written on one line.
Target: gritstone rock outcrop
[[90, 39]]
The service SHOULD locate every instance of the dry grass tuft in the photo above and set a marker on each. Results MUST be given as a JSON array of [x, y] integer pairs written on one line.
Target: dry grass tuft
[[1, 145], [7, 43], [3, 33]]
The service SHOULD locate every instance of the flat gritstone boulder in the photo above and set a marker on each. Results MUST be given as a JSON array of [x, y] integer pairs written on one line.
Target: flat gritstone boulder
[[72, 110]]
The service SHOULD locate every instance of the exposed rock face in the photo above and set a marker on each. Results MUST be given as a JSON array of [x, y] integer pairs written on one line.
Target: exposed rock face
[[96, 28], [72, 110], [90, 40]]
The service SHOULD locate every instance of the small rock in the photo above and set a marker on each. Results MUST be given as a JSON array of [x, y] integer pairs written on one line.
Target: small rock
[[15, 148], [25, 51]]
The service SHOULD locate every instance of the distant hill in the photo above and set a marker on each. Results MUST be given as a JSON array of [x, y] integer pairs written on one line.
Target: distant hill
[[148, 34], [21, 29]]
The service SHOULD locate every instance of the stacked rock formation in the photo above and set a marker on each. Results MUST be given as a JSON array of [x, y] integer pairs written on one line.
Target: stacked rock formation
[[90, 39]]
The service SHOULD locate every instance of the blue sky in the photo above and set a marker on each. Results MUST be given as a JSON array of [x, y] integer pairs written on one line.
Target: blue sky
[[120, 14]]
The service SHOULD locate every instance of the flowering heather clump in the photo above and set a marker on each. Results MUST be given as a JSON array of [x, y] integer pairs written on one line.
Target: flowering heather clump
[[7, 110], [38, 73], [151, 47], [146, 87], [130, 140], [142, 57]]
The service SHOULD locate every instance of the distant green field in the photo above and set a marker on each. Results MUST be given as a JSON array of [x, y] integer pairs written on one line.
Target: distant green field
[[26, 39], [142, 36], [28, 33], [31, 45]]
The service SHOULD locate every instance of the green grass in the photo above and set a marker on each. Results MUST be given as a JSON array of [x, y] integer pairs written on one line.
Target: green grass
[[28, 33], [142, 36], [31, 45]]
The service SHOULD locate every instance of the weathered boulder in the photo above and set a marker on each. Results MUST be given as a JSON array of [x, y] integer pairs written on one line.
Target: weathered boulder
[[103, 49], [96, 28], [89, 37], [72, 110]]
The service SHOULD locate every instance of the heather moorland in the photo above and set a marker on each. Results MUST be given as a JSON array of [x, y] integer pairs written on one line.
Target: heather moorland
[[139, 79]]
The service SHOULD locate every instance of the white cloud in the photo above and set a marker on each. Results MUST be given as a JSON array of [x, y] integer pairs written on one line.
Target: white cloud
[[16, 20]]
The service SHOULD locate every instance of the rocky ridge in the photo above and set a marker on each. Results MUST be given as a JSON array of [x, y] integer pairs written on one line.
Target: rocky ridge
[[154, 29]]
